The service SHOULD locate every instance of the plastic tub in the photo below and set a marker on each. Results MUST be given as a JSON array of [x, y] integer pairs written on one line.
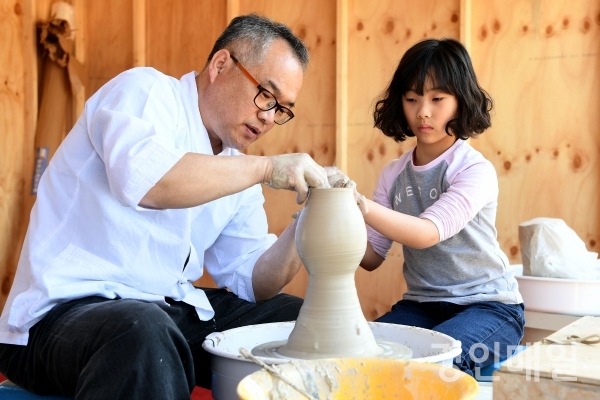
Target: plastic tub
[[559, 296], [229, 367], [360, 379]]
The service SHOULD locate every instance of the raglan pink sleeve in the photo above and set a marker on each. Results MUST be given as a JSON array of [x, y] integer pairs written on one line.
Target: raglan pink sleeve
[[471, 189]]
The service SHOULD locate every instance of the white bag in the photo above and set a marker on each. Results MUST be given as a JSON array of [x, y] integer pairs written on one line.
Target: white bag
[[550, 249]]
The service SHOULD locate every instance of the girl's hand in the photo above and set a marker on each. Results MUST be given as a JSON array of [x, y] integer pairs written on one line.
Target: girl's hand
[[337, 179]]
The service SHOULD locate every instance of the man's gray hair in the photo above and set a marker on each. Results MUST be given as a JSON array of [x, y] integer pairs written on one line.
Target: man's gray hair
[[249, 36]]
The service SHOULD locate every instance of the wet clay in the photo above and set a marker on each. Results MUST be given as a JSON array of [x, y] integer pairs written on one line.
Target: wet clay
[[331, 239]]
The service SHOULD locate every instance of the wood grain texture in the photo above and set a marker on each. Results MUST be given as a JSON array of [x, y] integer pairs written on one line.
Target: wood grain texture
[[139, 33], [512, 386], [465, 23], [180, 34], [79, 53], [109, 33], [12, 106], [341, 82], [554, 371], [540, 62], [379, 34]]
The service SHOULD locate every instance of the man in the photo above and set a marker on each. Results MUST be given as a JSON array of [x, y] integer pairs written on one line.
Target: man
[[148, 188]]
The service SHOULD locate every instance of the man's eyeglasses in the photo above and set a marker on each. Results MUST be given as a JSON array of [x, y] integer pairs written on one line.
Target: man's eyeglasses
[[266, 100]]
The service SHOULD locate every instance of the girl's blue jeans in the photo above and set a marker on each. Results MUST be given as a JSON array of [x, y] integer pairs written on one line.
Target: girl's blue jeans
[[489, 331]]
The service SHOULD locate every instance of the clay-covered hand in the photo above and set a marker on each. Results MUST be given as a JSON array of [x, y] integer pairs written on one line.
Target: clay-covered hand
[[337, 179], [297, 172]]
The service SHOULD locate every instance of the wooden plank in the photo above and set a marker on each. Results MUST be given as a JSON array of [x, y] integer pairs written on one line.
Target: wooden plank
[[18, 116], [555, 368], [12, 105], [541, 389], [79, 53], [139, 33], [465, 23], [80, 31], [540, 62], [30, 113], [109, 40], [341, 129], [182, 33], [551, 358], [233, 9], [41, 9]]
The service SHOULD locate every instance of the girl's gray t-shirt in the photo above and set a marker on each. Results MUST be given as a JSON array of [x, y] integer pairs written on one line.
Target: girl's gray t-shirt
[[458, 192]]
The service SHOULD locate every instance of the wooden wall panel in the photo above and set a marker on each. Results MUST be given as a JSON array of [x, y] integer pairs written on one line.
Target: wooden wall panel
[[180, 34], [540, 62], [20, 66], [109, 37], [379, 34], [313, 129], [12, 107]]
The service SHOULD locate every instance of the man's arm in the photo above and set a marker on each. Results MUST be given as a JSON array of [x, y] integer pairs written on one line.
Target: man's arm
[[415, 232], [199, 178], [277, 266]]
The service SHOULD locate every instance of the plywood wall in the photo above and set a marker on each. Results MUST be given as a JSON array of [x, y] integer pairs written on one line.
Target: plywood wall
[[537, 58], [12, 121], [540, 61], [180, 34], [109, 40]]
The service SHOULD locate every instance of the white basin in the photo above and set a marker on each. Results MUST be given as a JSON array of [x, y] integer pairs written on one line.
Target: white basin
[[558, 295], [229, 367]]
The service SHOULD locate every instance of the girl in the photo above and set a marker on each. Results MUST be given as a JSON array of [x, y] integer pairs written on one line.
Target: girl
[[439, 201]]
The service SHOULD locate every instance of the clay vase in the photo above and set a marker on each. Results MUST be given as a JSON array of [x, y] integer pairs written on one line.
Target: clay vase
[[331, 239]]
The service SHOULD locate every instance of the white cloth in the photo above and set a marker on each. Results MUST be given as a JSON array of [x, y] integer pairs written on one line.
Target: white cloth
[[87, 236]]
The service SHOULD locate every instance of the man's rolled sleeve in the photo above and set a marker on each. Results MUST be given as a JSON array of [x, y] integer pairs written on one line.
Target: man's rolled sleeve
[[136, 140]]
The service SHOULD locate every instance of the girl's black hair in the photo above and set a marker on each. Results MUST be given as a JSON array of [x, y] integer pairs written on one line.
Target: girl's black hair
[[447, 63]]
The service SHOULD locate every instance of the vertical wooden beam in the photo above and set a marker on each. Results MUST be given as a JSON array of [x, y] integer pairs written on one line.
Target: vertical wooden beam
[[465, 23], [465, 27], [30, 112], [233, 10], [80, 49], [30, 78], [139, 33], [341, 101]]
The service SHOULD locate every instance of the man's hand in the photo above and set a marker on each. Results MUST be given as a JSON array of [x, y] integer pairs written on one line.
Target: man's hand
[[297, 172]]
